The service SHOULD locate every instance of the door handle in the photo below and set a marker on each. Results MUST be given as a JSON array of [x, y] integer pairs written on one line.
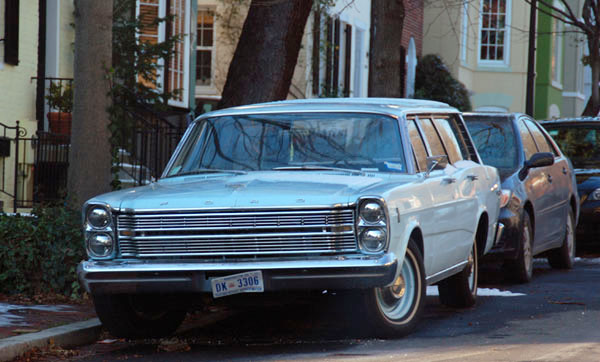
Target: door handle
[[449, 180], [564, 170], [550, 178], [473, 177]]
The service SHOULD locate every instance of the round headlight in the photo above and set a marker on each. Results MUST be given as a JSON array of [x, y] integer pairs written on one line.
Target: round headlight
[[594, 195], [373, 239], [371, 212], [100, 245], [98, 217]]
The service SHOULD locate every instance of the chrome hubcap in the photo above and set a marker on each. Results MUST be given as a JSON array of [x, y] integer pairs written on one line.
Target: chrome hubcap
[[398, 289]]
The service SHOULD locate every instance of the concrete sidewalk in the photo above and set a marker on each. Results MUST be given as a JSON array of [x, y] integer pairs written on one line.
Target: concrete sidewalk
[[70, 335]]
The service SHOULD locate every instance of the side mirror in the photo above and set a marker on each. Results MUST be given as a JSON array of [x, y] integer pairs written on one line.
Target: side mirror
[[436, 163], [540, 159]]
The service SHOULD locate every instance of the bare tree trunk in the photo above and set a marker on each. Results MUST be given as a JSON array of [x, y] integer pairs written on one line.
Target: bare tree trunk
[[387, 21], [90, 155], [263, 63]]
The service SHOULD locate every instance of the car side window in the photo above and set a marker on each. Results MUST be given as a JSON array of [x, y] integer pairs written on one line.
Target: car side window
[[417, 145], [540, 139], [528, 143], [450, 138], [541, 143], [433, 139]]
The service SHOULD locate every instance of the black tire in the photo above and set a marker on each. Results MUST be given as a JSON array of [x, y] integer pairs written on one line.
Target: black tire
[[521, 269], [564, 256], [137, 316], [460, 290], [395, 310]]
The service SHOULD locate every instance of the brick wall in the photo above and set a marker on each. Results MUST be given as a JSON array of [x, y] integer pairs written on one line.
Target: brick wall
[[413, 24]]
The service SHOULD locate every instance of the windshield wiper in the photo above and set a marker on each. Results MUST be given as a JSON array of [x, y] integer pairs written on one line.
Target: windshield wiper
[[208, 170], [317, 168]]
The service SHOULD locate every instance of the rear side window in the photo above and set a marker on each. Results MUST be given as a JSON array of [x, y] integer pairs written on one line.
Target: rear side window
[[450, 137], [433, 139], [417, 145]]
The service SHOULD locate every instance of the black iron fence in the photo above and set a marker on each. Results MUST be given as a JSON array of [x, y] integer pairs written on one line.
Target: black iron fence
[[34, 169], [145, 153]]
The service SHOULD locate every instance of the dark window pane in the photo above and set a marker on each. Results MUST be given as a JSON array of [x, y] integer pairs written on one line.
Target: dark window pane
[[484, 52], [207, 37], [495, 141]]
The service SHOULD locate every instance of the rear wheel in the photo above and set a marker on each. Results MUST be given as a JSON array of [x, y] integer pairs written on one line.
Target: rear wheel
[[137, 316], [395, 310], [564, 256], [460, 290], [521, 269]]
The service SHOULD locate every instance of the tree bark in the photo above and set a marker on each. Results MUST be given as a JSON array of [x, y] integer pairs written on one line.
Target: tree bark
[[387, 21], [90, 154], [263, 63]]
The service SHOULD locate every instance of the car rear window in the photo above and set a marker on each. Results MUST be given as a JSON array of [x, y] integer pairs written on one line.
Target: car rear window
[[495, 140]]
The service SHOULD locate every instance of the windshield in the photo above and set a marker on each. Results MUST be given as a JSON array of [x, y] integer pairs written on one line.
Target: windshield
[[580, 143], [361, 142], [495, 140]]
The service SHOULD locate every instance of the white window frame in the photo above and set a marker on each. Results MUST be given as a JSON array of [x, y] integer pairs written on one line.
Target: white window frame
[[465, 30], [557, 50], [184, 102], [507, 34], [202, 90]]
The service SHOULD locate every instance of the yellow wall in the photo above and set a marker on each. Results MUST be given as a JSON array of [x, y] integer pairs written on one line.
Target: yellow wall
[[498, 86], [17, 100]]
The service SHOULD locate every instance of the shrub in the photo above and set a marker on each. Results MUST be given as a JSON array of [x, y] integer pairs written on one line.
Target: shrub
[[39, 254], [434, 81]]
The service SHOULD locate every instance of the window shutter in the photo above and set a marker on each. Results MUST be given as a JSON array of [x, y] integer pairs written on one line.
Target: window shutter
[[347, 59], [177, 77], [11, 32], [328, 55], [336, 58], [315, 51]]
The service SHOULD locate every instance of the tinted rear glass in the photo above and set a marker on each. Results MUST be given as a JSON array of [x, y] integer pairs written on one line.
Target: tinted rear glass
[[495, 140], [580, 143]]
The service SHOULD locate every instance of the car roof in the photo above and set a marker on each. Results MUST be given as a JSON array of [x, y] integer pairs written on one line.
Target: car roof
[[369, 105], [571, 121], [507, 115]]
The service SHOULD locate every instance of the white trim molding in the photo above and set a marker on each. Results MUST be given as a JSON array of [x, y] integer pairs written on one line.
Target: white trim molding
[[506, 41]]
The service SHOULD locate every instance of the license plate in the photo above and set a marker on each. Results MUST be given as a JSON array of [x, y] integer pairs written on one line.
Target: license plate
[[249, 282]]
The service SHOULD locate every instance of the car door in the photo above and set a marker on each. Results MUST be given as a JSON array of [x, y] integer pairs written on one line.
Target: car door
[[558, 178], [538, 189], [452, 212]]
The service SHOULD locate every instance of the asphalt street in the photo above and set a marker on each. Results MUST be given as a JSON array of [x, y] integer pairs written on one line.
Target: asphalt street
[[554, 318]]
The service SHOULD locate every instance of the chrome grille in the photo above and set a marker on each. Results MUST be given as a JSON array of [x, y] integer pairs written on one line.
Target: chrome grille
[[278, 232]]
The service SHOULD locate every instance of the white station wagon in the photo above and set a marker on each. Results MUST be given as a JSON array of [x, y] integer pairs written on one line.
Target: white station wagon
[[380, 197]]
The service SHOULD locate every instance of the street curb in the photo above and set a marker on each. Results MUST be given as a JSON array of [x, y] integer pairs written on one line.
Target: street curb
[[70, 335]]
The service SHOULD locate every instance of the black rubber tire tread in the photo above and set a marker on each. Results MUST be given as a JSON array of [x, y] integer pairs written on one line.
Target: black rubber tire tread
[[380, 324], [121, 320], [455, 292], [560, 258], [517, 269]]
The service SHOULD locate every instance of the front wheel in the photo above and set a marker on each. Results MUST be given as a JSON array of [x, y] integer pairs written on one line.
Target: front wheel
[[137, 316], [395, 310], [564, 256], [460, 290], [521, 269]]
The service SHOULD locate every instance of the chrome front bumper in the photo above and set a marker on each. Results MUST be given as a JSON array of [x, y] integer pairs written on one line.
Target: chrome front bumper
[[193, 276]]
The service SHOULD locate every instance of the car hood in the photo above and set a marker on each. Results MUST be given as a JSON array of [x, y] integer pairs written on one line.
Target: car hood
[[253, 190], [587, 180]]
